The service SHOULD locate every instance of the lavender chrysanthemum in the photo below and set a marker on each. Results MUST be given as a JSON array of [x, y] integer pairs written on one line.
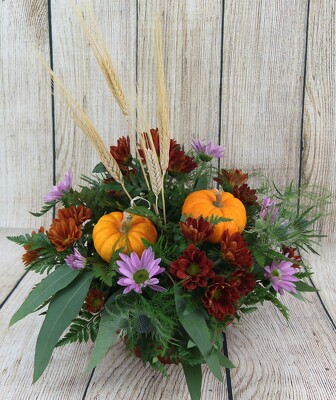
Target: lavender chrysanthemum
[[212, 150], [138, 273], [282, 276], [57, 191], [76, 260], [268, 207]]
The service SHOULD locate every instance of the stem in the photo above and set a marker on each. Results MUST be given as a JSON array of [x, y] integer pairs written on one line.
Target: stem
[[156, 208], [163, 203], [137, 152], [218, 203], [125, 190]]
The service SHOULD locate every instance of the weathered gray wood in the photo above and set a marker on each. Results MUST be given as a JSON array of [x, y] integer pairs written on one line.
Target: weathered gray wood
[[279, 360], [319, 139], [121, 376], [191, 32], [263, 64], [75, 64], [324, 270], [25, 112], [64, 378], [11, 266]]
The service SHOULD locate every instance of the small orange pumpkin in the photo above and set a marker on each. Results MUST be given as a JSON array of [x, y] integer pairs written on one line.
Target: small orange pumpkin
[[117, 229], [219, 204]]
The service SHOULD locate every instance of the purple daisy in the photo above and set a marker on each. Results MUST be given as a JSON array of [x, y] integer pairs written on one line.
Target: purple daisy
[[76, 260], [282, 276], [57, 191], [268, 207], [139, 272], [212, 150]]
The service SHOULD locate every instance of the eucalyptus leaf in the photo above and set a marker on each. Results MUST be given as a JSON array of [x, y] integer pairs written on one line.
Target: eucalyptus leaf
[[193, 375], [54, 282], [194, 323], [224, 361], [62, 310], [107, 336], [304, 287]]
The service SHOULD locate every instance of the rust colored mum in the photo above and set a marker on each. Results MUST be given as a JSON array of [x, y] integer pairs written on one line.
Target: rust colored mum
[[179, 162], [244, 282], [220, 298], [193, 267], [79, 214], [196, 230], [234, 249], [230, 178], [94, 301], [31, 255], [245, 194], [291, 252], [63, 233], [122, 152]]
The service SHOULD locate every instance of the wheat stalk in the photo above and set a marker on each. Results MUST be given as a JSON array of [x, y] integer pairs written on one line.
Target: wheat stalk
[[162, 110], [106, 65], [87, 127], [102, 56], [162, 101]]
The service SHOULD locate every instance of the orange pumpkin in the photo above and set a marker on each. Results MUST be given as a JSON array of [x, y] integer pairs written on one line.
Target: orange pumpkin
[[117, 229], [219, 204]]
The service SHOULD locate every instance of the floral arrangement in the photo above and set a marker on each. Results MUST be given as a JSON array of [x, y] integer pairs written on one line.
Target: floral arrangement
[[159, 248]]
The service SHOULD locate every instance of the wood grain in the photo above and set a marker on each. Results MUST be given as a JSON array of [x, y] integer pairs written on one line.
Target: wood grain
[[263, 65], [319, 138], [74, 63], [279, 360], [191, 32], [121, 376], [11, 266], [324, 270], [25, 112], [64, 378]]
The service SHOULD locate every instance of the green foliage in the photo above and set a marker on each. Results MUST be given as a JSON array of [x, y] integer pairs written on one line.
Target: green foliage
[[158, 311], [260, 294], [193, 375], [291, 227], [47, 206], [104, 272], [214, 219], [36, 241], [47, 288], [82, 328], [302, 286], [195, 325], [63, 309], [109, 324], [99, 168]]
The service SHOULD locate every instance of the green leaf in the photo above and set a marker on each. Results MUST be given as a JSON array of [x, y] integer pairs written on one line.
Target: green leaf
[[99, 168], [304, 287], [44, 209], [107, 336], [104, 272], [194, 323], [224, 361], [62, 310], [193, 375], [50, 285], [248, 310]]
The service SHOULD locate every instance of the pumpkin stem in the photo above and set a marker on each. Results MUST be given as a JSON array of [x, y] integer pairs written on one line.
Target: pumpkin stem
[[127, 217], [218, 202]]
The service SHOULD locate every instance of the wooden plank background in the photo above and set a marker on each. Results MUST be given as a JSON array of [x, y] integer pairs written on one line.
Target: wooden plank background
[[257, 76]]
